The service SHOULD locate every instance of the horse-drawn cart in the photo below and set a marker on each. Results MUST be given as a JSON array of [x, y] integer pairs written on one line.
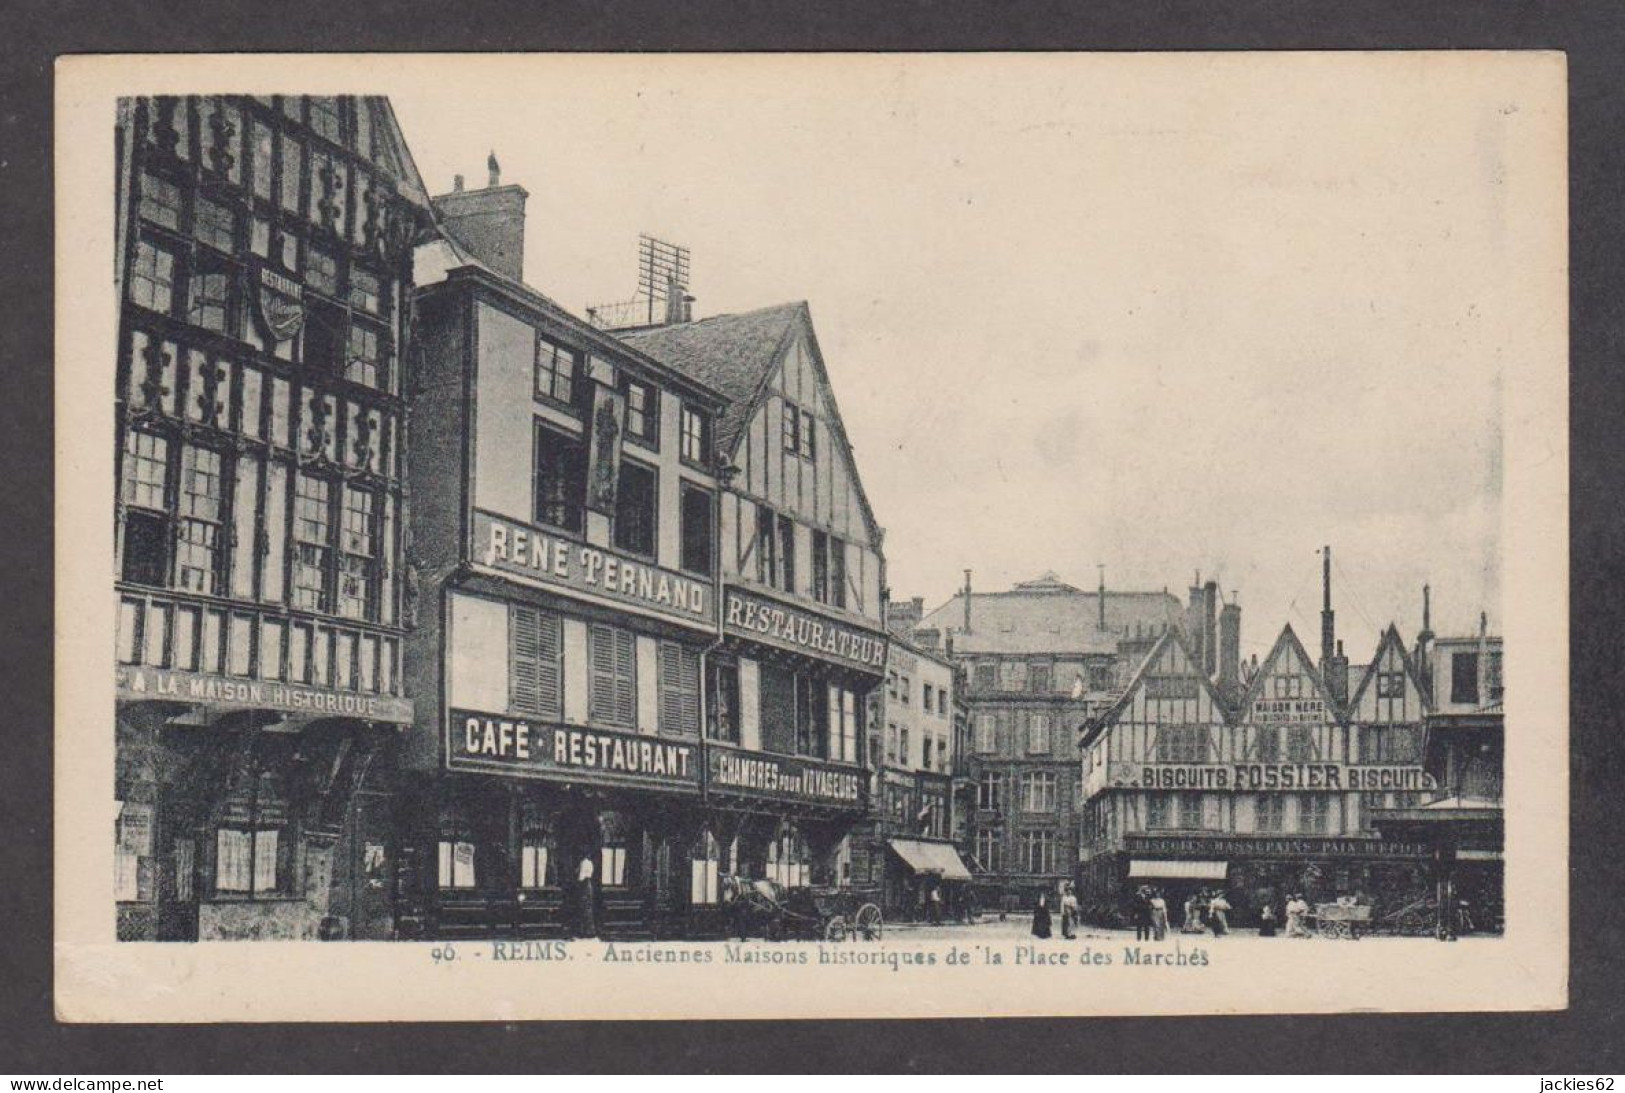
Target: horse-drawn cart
[[768, 909]]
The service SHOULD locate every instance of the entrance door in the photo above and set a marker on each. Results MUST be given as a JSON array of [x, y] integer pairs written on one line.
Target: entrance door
[[361, 873]]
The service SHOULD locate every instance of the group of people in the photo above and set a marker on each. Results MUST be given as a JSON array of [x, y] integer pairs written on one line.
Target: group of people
[[1150, 914], [1069, 913], [1297, 917]]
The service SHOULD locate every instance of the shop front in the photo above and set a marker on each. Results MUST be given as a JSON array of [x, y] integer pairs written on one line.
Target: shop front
[[252, 810]]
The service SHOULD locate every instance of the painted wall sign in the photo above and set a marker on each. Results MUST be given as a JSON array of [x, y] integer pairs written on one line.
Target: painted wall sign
[[539, 556], [1256, 777], [258, 694], [784, 777], [761, 619], [1242, 846], [501, 743], [1289, 711]]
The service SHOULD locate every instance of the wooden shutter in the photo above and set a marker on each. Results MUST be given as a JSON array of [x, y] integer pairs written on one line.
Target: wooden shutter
[[626, 678], [679, 690], [533, 663], [601, 673]]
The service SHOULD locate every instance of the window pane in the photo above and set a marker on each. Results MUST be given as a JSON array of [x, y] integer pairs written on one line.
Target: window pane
[[241, 645], [271, 649]]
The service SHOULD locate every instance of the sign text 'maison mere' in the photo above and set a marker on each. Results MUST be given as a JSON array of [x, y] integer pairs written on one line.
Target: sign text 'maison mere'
[[535, 554]]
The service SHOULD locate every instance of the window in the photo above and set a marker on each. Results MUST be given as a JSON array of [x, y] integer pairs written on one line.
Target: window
[[1314, 813], [358, 551], [293, 171], [1390, 684], [1101, 678], [904, 687], [695, 440], [986, 677], [642, 413], [1038, 791], [989, 842], [767, 552], [197, 550], [1190, 811], [313, 539], [1038, 734], [1013, 675], [1392, 744], [321, 271], [1182, 744], [990, 790], [1289, 686], [787, 862], [364, 291], [891, 684], [213, 225], [1267, 744], [160, 201], [1038, 851], [809, 435], [1492, 676], [363, 363], [705, 866], [260, 138], [820, 566], [1300, 744], [534, 669], [1159, 811], [986, 733], [925, 752], [787, 554], [1270, 812], [925, 697], [612, 684], [456, 863], [252, 857], [146, 469], [1464, 679], [837, 572], [722, 701], [556, 369], [208, 298], [843, 724], [696, 531], [561, 479], [537, 862], [679, 689], [792, 428], [636, 504], [942, 754], [1038, 679], [152, 278], [902, 746], [361, 136]]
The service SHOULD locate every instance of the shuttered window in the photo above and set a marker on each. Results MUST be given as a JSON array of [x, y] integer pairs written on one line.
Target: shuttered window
[[613, 676], [533, 662], [679, 690]]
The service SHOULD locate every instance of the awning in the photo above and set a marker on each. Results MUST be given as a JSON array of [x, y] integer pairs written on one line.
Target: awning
[[1177, 870], [937, 858]]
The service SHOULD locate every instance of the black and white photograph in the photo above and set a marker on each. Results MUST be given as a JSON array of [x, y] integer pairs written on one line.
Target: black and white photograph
[[920, 535]]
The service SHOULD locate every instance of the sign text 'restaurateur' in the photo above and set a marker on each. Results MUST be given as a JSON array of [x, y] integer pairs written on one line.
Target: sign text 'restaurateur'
[[753, 617], [488, 741], [534, 554]]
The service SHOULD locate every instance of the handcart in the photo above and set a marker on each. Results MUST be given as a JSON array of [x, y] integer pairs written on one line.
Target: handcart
[[1345, 920]]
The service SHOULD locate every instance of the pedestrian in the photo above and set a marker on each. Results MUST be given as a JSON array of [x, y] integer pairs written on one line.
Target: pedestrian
[[586, 899], [1193, 923], [1142, 914], [1297, 916], [1217, 905], [1069, 912], [1041, 917], [1159, 915], [933, 905], [1266, 921]]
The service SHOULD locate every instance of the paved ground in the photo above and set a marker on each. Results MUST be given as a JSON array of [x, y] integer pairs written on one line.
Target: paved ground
[[1020, 927]]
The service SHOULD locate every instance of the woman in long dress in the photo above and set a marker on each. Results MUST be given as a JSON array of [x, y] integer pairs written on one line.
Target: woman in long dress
[[1041, 917], [1266, 921], [1297, 915], [1159, 916]]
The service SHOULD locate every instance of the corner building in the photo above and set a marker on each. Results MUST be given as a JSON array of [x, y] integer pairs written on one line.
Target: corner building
[[802, 642], [564, 536], [264, 269]]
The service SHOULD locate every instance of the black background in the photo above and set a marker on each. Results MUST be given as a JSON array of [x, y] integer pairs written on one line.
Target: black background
[[1590, 1038]]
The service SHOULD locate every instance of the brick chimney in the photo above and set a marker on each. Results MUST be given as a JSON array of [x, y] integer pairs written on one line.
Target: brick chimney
[[489, 223], [1210, 628], [1230, 649]]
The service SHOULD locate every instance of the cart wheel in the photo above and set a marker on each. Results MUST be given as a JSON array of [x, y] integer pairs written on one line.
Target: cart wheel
[[867, 923], [835, 929]]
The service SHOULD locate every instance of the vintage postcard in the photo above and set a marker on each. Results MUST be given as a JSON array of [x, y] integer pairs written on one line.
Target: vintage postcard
[[810, 535]]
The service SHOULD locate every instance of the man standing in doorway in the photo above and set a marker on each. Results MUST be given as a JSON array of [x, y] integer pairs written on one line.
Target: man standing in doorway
[[586, 898]]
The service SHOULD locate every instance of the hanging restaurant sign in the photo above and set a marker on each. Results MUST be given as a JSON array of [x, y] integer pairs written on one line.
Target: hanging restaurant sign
[[281, 303], [504, 744], [758, 618]]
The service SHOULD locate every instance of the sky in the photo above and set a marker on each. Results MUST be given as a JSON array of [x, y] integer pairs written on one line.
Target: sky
[[1161, 314]]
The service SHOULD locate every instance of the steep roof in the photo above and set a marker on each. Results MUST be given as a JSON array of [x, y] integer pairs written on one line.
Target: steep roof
[[1046, 615], [1390, 637], [1172, 639], [1287, 643], [733, 354]]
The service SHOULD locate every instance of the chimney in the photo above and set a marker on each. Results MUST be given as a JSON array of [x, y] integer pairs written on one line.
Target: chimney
[[1424, 640], [1195, 621], [679, 304], [1336, 671], [1210, 632], [1101, 625], [1328, 628], [488, 223], [967, 602], [1230, 649]]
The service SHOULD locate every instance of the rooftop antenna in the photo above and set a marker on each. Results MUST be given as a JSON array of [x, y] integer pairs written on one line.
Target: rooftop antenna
[[663, 274]]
